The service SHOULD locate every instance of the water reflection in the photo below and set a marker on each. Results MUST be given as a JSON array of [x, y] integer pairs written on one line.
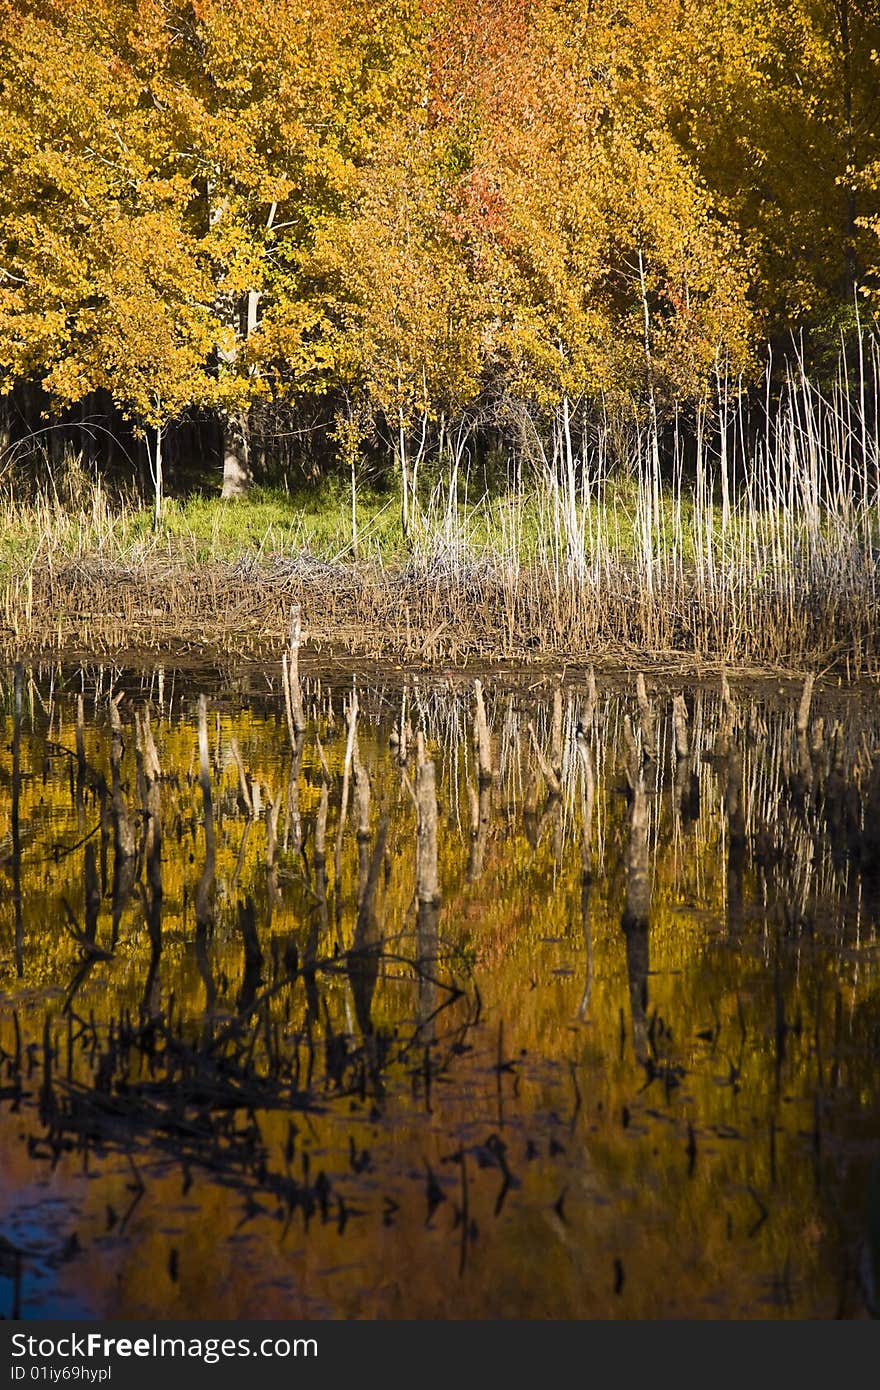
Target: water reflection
[[561, 1002]]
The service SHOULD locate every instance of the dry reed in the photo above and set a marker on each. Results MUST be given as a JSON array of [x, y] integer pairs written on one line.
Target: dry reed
[[753, 546]]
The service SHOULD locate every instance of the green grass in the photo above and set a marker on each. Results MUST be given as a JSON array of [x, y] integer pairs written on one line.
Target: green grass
[[271, 521], [316, 521], [199, 528]]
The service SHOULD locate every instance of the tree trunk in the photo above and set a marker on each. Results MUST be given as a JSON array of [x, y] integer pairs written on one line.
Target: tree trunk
[[5, 426], [404, 475], [158, 481], [237, 474]]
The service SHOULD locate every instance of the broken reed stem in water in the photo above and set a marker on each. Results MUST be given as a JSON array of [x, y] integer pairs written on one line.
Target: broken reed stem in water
[[361, 792], [273, 892], [480, 805], [473, 808], [680, 724], [80, 745], [205, 889], [288, 707], [482, 738], [293, 702], [686, 786], [638, 878], [427, 873], [592, 697], [803, 717], [727, 722], [647, 721], [292, 817], [588, 796]]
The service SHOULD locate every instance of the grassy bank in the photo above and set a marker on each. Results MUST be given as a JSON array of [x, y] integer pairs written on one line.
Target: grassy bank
[[763, 554], [499, 580]]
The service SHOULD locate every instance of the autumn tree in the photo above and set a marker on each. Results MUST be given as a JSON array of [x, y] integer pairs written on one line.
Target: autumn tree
[[101, 284], [778, 105], [277, 109], [185, 155], [601, 243], [417, 207]]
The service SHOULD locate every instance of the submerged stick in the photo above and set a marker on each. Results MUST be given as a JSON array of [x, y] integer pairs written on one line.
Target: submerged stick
[[364, 956]]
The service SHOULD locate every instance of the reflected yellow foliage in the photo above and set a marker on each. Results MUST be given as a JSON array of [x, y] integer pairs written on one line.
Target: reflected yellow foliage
[[569, 1111]]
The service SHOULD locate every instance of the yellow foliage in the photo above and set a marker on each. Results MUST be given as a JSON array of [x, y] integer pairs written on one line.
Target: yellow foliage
[[202, 205]]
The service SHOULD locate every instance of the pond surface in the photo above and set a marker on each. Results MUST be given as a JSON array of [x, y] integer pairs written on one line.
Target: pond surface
[[593, 1035]]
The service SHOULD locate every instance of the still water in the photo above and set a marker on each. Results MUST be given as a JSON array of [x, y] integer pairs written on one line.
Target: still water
[[331, 1025]]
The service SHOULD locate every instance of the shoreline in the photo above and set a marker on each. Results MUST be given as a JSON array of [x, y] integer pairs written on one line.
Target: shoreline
[[353, 615]]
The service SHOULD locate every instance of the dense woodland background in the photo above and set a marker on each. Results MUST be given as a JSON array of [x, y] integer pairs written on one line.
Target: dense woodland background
[[273, 238]]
